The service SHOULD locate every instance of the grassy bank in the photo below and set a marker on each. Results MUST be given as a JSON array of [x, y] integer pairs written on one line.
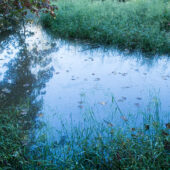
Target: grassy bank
[[14, 129], [92, 146], [103, 145], [10, 139], [141, 24]]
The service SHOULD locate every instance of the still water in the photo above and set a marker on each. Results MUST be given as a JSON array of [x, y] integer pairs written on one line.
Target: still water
[[65, 80]]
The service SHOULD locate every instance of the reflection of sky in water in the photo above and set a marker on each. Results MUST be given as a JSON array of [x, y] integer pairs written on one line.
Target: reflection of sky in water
[[7, 54], [80, 78], [86, 79]]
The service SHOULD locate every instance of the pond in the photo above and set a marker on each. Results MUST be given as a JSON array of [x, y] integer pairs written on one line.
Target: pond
[[68, 81]]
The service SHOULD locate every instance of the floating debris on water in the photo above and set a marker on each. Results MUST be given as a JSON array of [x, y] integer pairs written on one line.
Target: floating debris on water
[[91, 59], [126, 87], [80, 106], [124, 74], [108, 123], [137, 104], [120, 100], [103, 103], [124, 118], [113, 72], [124, 98], [80, 102], [97, 79]]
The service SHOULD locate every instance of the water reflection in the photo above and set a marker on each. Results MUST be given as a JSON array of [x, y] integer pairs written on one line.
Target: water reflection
[[19, 84], [74, 80]]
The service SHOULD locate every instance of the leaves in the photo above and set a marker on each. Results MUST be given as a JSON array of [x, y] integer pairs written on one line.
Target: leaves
[[108, 123], [14, 10], [97, 79], [103, 103], [124, 118]]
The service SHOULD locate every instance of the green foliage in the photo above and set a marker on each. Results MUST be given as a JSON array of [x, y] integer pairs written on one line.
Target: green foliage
[[92, 145], [11, 150], [13, 11], [104, 146], [141, 24]]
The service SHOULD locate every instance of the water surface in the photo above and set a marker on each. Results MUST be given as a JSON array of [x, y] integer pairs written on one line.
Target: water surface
[[69, 79]]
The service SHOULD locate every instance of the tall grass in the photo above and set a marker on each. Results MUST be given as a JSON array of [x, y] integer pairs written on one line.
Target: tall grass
[[91, 145], [139, 24], [102, 145], [15, 124], [10, 143]]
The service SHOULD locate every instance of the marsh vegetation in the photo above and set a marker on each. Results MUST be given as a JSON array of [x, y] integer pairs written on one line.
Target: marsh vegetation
[[141, 25], [76, 104]]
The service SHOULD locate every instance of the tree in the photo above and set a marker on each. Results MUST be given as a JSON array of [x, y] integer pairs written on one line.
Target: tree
[[14, 10]]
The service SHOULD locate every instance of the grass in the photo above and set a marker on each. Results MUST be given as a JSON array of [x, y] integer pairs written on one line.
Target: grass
[[94, 145], [140, 24], [91, 145], [14, 129], [10, 144], [105, 147]]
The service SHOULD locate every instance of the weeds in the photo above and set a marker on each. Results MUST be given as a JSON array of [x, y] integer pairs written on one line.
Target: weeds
[[89, 145], [102, 145], [141, 24], [14, 130]]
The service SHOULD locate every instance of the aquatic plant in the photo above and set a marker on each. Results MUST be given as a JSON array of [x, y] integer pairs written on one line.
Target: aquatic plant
[[103, 145], [89, 145]]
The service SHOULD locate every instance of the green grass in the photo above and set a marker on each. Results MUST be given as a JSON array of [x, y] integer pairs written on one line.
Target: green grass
[[102, 145], [93, 145], [14, 129], [140, 24], [90, 145]]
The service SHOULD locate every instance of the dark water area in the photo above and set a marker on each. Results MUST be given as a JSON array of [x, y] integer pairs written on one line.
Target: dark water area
[[69, 80]]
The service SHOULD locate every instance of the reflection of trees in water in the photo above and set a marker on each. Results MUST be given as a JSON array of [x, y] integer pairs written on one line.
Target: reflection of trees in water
[[21, 83]]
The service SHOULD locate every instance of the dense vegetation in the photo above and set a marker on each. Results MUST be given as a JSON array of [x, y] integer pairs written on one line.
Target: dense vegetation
[[13, 11], [135, 25], [141, 24], [11, 138], [104, 146], [96, 146]]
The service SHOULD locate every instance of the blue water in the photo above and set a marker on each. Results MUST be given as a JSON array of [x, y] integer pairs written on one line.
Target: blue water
[[72, 80]]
